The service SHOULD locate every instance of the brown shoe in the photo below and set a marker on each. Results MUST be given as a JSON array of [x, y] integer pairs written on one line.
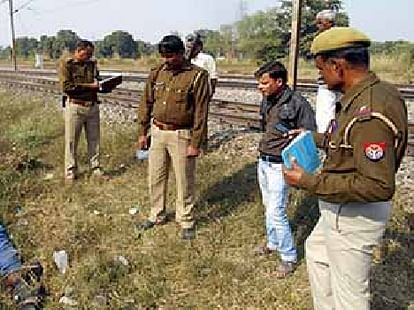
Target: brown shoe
[[263, 250], [284, 269]]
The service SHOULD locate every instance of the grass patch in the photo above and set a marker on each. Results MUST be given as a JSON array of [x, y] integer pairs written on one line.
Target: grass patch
[[90, 220]]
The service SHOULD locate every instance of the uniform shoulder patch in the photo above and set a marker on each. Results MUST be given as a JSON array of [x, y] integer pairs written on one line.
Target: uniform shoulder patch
[[375, 151], [363, 111]]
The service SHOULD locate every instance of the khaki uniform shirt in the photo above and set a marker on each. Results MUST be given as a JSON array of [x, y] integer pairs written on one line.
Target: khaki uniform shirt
[[178, 98], [74, 74], [366, 147]]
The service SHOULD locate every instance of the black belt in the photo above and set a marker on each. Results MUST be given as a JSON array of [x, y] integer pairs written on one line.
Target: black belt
[[83, 103], [271, 158]]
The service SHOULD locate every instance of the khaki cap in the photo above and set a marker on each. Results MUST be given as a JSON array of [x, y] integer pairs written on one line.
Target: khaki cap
[[338, 38]]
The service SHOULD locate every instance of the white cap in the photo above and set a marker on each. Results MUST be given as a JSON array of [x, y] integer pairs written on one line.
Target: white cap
[[326, 14]]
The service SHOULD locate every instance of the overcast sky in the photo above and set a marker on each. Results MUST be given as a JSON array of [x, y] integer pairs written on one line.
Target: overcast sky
[[149, 20]]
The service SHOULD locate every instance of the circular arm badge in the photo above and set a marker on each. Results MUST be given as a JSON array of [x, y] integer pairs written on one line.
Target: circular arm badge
[[375, 151]]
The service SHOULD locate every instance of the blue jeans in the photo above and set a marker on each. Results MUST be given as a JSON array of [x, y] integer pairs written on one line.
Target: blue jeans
[[274, 195], [9, 259]]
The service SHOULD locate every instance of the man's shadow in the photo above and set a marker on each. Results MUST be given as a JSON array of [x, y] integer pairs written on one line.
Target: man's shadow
[[392, 277], [304, 218], [227, 195]]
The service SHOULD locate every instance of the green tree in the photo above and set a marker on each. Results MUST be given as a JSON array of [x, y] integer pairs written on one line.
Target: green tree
[[65, 40], [213, 41], [119, 42], [26, 47], [228, 34], [145, 48], [102, 50], [46, 44], [265, 35], [309, 11], [262, 35]]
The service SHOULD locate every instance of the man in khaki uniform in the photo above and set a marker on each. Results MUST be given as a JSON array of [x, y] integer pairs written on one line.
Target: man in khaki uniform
[[175, 107], [364, 150], [78, 77]]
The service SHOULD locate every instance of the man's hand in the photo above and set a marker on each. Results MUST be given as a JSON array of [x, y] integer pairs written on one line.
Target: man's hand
[[94, 85], [192, 151], [293, 176], [142, 142], [294, 132]]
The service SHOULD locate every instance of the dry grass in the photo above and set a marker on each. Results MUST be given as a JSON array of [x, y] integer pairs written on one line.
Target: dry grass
[[90, 220]]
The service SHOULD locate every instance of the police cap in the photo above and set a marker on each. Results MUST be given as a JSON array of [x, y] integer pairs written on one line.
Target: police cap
[[338, 38], [171, 44]]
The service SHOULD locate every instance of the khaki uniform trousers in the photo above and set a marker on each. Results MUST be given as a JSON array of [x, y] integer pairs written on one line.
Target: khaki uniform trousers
[[169, 147], [339, 253], [76, 118]]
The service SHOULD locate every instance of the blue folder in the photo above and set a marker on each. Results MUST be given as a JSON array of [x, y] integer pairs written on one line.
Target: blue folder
[[303, 149]]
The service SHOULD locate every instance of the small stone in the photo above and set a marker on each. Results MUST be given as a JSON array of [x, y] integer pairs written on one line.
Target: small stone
[[133, 211], [22, 222], [121, 259], [68, 301], [48, 176]]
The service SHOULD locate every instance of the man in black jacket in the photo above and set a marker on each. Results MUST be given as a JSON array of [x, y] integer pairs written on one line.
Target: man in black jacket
[[282, 109]]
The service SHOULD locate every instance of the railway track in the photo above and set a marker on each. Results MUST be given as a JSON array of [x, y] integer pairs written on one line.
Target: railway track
[[225, 81], [236, 113]]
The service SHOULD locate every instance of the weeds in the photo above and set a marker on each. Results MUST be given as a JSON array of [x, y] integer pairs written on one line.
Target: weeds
[[90, 220]]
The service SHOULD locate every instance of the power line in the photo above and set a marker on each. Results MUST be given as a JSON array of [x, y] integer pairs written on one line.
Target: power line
[[23, 6]]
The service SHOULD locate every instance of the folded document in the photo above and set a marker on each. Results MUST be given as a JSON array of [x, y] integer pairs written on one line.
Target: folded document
[[303, 149]]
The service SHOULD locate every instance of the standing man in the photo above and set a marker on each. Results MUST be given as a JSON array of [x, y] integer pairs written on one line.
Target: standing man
[[282, 110], [79, 81], [195, 52], [175, 107], [325, 98], [357, 181]]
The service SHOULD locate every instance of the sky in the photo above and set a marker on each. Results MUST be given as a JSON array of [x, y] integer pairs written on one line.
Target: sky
[[149, 20]]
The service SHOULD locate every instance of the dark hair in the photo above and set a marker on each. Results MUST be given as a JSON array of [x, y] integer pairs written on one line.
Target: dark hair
[[84, 44], [275, 69], [355, 56], [171, 44], [195, 39]]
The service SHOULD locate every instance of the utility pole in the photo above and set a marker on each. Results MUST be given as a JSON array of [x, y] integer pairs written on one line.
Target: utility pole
[[13, 36], [294, 42]]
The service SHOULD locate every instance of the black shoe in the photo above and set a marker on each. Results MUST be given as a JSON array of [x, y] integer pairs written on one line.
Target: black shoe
[[27, 298], [147, 225], [188, 234]]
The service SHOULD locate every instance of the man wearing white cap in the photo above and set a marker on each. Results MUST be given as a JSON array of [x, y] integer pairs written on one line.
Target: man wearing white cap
[[325, 98]]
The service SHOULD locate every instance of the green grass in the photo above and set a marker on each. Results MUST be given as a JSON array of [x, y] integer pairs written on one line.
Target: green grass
[[90, 220]]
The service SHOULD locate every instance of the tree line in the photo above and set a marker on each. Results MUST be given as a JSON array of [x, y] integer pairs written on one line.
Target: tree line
[[260, 36], [117, 44]]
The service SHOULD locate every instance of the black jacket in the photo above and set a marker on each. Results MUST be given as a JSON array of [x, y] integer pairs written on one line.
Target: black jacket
[[289, 109]]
